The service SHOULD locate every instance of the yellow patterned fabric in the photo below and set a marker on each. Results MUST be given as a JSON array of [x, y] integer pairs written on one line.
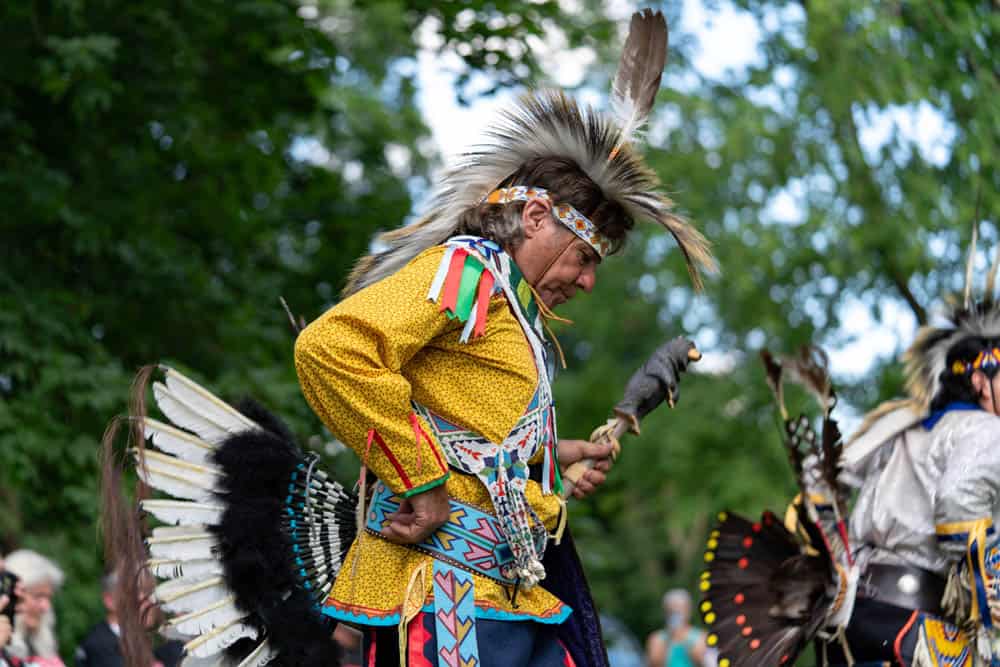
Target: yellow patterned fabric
[[941, 644], [361, 364]]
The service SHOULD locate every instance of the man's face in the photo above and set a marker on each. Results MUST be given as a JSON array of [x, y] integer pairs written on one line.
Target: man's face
[[553, 259], [36, 600], [988, 390]]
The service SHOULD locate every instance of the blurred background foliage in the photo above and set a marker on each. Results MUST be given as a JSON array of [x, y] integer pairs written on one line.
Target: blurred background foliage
[[168, 170]]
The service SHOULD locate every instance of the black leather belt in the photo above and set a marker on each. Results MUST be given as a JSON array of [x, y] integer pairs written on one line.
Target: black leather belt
[[903, 586]]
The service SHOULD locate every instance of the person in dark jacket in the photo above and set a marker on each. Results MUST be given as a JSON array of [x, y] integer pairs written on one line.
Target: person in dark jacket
[[102, 646]]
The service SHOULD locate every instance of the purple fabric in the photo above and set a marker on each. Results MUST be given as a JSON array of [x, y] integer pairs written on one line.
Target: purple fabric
[[564, 578]]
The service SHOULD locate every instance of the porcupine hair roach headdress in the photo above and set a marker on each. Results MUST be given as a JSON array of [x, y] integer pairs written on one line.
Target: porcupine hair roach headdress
[[548, 124], [969, 341]]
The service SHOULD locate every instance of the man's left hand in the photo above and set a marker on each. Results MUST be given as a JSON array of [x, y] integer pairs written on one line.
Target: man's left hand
[[571, 451]]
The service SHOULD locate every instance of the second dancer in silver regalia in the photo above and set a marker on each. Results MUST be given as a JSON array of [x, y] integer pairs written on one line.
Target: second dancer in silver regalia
[[928, 469]]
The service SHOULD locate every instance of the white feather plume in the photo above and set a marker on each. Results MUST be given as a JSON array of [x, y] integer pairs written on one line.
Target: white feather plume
[[179, 478], [177, 442], [173, 568], [181, 547], [197, 595], [259, 657], [220, 638], [640, 69], [206, 403], [207, 619], [181, 513]]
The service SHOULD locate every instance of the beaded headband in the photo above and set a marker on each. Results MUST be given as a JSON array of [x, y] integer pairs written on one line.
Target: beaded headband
[[572, 219], [987, 361]]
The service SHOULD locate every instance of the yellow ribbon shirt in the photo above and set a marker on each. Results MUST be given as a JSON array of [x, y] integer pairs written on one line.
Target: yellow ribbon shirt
[[360, 365]]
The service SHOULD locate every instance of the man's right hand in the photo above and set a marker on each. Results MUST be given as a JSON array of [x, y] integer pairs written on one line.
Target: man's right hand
[[418, 516]]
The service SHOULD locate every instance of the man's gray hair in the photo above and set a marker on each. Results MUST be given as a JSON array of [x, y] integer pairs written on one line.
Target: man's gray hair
[[34, 568], [500, 224]]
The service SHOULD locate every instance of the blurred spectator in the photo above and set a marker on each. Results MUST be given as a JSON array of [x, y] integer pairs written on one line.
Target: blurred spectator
[[677, 644], [101, 646], [350, 643], [623, 648], [34, 637]]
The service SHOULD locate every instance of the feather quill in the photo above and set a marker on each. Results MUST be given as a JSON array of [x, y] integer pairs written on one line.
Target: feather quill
[[192, 481], [164, 568], [773, 371], [178, 512], [207, 619], [200, 594], [210, 661], [177, 442], [260, 656], [183, 547], [969, 264], [220, 638], [173, 484], [640, 69], [206, 403], [187, 416], [810, 370], [991, 278], [170, 589]]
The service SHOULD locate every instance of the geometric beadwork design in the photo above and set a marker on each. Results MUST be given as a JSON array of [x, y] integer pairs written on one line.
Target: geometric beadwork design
[[946, 645], [454, 617], [471, 539]]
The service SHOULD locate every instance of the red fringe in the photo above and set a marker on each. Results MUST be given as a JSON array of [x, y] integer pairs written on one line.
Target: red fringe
[[453, 281], [483, 302]]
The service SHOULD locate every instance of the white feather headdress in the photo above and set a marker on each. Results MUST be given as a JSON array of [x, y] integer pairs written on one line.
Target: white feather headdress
[[926, 359], [547, 123]]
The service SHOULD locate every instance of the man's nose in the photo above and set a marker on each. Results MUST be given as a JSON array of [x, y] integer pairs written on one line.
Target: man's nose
[[587, 279]]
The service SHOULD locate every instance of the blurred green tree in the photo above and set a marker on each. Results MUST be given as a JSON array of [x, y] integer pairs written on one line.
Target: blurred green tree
[[168, 170], [837, 175]]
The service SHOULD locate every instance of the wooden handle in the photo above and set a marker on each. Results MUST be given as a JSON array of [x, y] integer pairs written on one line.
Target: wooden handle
[[573, 473]]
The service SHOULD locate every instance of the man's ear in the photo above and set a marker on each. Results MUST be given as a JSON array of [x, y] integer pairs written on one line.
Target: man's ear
[[978, 382], [534, 216]]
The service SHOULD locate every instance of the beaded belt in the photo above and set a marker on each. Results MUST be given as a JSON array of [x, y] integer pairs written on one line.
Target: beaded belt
[[471, 539]]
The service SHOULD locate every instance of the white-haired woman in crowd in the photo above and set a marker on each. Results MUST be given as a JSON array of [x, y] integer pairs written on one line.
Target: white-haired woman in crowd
[[34, 638]]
